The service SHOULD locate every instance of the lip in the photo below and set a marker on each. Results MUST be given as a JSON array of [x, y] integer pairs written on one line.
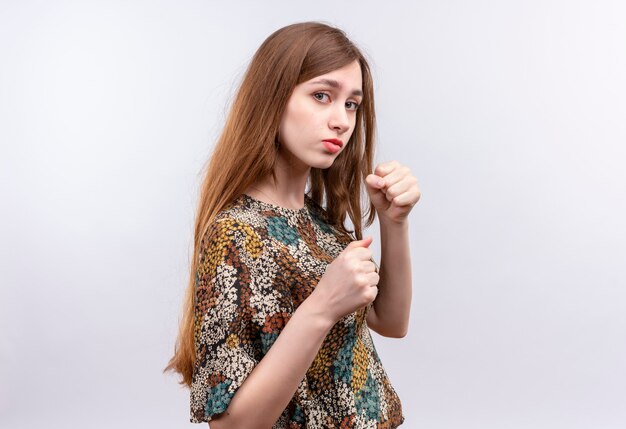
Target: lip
[[334, 141], [330, 146]]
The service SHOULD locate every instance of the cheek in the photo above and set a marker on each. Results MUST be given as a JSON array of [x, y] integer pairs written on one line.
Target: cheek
[[296, 119], [286, 121]]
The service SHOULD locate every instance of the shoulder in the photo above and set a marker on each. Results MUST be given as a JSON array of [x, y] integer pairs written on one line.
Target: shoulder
[[232, 233]]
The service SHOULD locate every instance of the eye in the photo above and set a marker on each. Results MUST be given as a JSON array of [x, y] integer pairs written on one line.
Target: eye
[[322, 94], [319, 93], [356, 105]]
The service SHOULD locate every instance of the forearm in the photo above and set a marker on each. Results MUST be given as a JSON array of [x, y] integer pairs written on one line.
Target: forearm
[[393, 303], [267, 391]]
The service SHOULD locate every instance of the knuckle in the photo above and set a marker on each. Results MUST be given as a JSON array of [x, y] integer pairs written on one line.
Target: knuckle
[[361, 281], [354, 265]]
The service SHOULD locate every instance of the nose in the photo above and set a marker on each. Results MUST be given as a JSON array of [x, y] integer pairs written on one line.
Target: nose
[[339, 120]]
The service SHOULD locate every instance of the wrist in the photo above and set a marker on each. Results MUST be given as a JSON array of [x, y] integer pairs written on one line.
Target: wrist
[[392, 224], [317, 312]]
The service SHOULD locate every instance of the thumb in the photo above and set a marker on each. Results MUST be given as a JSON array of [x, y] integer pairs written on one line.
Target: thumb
[[374, 181], [365, 242]]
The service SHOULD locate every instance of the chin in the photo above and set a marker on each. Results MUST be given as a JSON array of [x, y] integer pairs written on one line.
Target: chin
[[316, 160], [324, 163]]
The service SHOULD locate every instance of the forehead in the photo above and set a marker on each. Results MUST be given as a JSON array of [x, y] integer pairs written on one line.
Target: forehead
[[347, 78]]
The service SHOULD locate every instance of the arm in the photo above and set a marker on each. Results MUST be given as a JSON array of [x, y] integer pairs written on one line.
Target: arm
[[266, 392], [389, 315]]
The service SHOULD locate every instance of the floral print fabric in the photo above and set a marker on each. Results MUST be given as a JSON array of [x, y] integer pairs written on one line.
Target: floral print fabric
[[258, 263]]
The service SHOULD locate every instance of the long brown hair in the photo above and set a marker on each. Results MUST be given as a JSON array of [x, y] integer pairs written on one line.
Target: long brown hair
[[246, 151]]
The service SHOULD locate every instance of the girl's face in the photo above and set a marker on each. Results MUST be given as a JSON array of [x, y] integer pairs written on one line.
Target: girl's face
[[319, 109]]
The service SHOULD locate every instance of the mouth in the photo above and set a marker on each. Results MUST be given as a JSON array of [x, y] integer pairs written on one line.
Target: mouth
[[335, 142], [331, 146]]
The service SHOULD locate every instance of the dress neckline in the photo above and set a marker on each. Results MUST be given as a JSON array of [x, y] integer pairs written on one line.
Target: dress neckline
[[277, 208]]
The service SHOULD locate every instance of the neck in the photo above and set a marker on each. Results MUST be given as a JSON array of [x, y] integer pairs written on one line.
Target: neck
[[288, 190]]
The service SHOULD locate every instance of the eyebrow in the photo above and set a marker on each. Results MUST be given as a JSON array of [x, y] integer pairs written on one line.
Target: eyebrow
[[335, 84]]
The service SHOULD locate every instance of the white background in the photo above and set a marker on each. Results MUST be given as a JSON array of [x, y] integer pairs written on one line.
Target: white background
[[511, 114]]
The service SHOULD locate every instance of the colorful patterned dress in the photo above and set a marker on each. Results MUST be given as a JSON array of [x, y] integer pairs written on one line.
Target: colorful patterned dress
[[258, 263]]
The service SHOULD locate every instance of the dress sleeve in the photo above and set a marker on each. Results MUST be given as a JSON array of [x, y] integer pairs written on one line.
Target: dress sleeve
[[226, 338]]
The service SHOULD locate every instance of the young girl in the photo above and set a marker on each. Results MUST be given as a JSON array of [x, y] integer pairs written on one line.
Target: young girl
[[281, 294]]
